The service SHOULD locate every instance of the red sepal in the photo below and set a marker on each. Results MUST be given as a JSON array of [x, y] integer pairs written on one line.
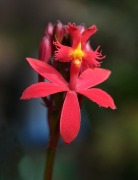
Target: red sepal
[[92, 77], [47, 72], [70, 118], [99, 96], [42, 89]]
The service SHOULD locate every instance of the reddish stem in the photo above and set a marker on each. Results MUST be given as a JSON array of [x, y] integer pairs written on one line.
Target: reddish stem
[[53, 140]]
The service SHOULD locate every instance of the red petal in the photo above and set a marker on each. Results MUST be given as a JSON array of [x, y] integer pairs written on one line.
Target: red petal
[[42, 89], [75, 34], [70, 118], [63, 52], [92, 77], [99, 96], [87, 34], [47, 71]]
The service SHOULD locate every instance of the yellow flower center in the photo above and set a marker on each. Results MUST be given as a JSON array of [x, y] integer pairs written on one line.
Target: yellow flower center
[[77, 62], [77, 53]]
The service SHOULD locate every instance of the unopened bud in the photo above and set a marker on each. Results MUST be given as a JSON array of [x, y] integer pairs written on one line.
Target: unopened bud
[[45, 49], [66, 34], [81, 28], [49, 29], [88, 46], [59, 31]]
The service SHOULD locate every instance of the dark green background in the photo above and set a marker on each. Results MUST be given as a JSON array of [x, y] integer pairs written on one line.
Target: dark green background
[[109, 149]]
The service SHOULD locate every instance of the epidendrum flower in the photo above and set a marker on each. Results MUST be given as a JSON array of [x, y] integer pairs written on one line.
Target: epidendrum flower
[[78, 51], [70, 114]]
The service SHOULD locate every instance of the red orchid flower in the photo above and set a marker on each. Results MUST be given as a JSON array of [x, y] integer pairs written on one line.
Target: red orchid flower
[[70, 115], [78, 50]]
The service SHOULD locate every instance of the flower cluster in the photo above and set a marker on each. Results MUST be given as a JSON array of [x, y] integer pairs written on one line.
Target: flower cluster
[[77, 50], [84, 67]]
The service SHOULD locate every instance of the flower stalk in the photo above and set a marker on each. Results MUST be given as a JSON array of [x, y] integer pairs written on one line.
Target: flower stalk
[[78, 59], [51, 150]]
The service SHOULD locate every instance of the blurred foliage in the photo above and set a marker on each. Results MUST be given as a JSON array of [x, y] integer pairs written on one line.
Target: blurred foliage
[[110, 149]]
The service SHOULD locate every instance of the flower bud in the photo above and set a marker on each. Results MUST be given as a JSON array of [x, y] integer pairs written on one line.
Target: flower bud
[[66, 34], [81, 28], [67, 38], [45, 49], [88, 46], [49, 29], [59, 31]]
